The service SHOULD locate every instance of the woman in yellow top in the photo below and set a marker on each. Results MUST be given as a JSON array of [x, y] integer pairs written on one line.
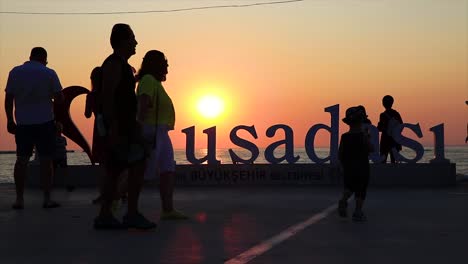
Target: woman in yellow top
[[157, 116]]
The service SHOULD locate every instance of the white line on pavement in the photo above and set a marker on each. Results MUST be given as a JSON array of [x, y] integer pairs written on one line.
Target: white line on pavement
[[266, 245]]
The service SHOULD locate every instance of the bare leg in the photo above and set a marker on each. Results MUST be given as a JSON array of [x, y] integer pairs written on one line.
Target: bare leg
[[46, 177], [346, 195], [385, 155], [107, 191], [343, 203], [359, 204], [122, 186], [133, 219], [19, 174], [358, 215], [69, 186], [135, 181], [102, 178], [166, 191], [392, 157]]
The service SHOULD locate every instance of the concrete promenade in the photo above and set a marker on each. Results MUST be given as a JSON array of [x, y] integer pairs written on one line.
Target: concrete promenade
[[405, 225]]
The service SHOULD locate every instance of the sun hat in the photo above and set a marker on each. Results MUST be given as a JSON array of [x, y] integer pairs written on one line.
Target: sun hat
[[354, 114]]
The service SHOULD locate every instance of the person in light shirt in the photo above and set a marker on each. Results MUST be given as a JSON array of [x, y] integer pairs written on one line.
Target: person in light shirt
[[157, 115], [31, 91]]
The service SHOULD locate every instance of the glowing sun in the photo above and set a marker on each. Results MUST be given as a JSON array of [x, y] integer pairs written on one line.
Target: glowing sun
[[210, 106]]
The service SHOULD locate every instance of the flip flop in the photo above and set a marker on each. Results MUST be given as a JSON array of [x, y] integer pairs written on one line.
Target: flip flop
[[50, 204], [17, 206]]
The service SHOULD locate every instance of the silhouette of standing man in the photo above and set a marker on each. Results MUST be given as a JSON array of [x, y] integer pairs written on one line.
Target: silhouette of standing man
[[387, 143], [119, 108], [30, 89], [466, 139]]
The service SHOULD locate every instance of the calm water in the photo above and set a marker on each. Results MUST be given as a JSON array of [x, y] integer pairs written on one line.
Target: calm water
[[458, 155]]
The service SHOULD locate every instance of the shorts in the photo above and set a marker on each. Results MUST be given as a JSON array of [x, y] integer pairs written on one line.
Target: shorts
[[124, 151], [40, 135], [161, 156], [356, 180]]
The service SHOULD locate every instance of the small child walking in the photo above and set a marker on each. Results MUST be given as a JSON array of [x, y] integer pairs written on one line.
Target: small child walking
[[353, 154]]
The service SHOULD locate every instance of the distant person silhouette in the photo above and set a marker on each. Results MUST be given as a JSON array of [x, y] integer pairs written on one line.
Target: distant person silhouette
[[353, 155], [387, 143], [30, 90], [156, 112], [466, 139], [124, 141], [60, 155]]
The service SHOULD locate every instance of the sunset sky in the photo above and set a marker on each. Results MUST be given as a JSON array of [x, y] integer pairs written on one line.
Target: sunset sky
[[266, 64]]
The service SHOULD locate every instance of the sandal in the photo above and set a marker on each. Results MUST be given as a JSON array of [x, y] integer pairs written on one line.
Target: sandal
[[50, 204], [173, 215], [107, 223], [17, 206], [137, 221], [359, 216]]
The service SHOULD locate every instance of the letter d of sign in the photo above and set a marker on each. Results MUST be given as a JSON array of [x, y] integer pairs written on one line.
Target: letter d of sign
[[243, 144], [333, 129]]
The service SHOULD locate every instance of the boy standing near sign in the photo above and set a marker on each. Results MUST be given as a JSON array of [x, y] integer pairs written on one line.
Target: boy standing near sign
[[387, 119], [353, 154]]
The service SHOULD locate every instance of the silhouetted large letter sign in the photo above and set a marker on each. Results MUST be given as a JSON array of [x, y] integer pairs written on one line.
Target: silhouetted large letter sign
[[333, 129], [62, 114]]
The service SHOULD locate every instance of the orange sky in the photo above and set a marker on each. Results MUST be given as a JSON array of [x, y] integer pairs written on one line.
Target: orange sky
[[278, 64]]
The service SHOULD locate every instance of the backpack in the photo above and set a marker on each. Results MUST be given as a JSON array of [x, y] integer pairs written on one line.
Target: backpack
[[392, 124]]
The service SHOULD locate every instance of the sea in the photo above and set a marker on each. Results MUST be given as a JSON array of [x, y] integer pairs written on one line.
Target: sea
[[456, 154]]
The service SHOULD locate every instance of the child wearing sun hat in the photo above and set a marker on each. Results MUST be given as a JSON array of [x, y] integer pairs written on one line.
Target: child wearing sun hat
[[353, 154]]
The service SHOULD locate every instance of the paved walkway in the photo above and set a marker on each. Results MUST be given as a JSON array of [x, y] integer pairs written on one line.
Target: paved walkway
[[405, 226]]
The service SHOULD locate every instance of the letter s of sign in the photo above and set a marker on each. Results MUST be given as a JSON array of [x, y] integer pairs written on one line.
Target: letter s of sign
[[236, 140], [407, 142]]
